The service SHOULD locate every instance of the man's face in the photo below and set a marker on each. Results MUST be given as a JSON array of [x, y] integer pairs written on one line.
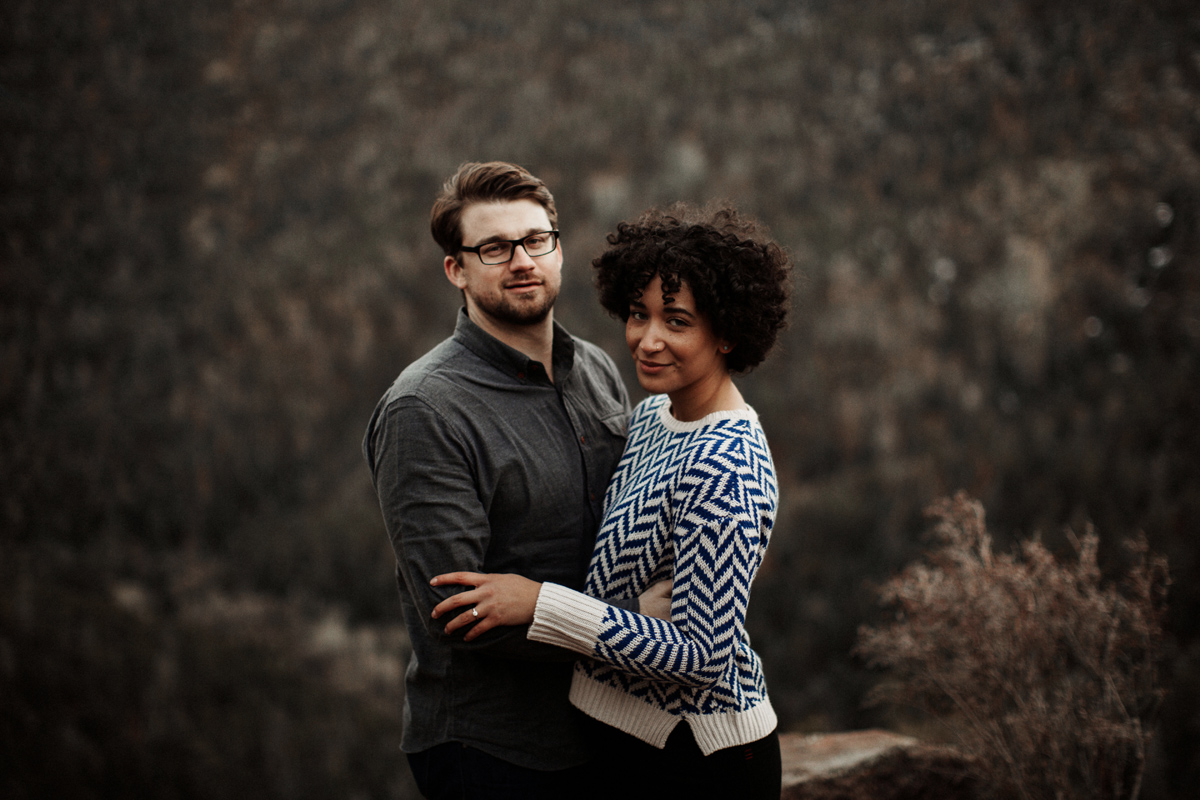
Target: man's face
[[518, 292]]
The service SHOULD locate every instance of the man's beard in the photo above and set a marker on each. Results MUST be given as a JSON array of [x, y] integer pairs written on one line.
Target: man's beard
[[520, 313]]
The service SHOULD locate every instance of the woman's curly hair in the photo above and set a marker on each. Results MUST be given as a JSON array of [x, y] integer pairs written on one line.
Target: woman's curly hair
[[737, 274]]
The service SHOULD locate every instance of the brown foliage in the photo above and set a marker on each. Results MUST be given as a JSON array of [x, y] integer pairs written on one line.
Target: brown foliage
[[1045, 672], [214, 257], [167, 685]]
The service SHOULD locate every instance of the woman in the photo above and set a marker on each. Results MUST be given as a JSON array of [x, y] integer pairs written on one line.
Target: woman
[[693, 499]]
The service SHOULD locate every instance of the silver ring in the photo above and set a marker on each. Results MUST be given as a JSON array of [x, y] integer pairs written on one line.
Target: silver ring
[[474, 612]]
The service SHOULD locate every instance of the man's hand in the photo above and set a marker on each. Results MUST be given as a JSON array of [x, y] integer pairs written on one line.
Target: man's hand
[[497, 600], [656, 600]]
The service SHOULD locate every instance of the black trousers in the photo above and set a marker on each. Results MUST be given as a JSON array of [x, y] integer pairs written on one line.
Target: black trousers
[[623, 767], [454, 771], [627, 767]]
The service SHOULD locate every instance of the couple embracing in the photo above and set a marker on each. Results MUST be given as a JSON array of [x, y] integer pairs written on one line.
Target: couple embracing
[[574, 578]]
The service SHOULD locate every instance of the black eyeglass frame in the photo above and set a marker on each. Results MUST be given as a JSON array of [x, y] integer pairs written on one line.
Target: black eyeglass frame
[[514, 242]]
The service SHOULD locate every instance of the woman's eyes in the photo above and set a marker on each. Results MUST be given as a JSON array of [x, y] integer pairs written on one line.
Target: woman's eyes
[[674, 322]]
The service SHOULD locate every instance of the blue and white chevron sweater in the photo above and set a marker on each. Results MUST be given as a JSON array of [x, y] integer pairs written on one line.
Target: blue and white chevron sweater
[[694, 502]]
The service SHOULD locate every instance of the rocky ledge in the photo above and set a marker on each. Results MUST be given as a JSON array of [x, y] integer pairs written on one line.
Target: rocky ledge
[[872, 765]]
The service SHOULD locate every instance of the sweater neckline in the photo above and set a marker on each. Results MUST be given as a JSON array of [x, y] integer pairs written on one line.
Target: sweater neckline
[[679, 426]]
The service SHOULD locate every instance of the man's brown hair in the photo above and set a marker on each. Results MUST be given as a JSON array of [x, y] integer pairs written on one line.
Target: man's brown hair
[[489, 182]]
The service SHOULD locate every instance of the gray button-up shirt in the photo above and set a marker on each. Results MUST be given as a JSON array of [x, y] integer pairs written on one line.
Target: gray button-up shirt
[[482, 464]]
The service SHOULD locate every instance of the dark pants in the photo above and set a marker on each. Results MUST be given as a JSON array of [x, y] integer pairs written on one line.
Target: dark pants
[[624, 767], [453, 771], [631, 768]]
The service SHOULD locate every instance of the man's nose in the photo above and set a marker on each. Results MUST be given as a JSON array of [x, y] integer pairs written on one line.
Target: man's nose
[[521, 260]]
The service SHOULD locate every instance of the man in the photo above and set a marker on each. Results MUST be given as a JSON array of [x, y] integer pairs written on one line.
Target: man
[[492, 453]]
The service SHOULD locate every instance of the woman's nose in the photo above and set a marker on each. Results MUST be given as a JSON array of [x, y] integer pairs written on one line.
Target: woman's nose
[[651, 342]]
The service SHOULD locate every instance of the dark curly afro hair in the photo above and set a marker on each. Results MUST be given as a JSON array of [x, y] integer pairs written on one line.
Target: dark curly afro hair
[[738, 276]]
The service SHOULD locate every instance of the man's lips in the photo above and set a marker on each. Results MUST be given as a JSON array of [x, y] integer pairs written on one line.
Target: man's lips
[[522, 286]]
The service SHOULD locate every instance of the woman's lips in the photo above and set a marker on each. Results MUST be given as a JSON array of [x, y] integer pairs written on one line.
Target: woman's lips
[[651, 367]]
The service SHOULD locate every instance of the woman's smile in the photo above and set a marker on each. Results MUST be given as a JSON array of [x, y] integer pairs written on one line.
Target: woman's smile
[[650, 367]]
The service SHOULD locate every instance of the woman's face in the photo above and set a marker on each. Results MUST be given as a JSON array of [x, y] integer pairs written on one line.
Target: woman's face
[[673, 344]]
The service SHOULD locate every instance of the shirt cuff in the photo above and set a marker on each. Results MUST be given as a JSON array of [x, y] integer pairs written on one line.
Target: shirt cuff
[[567, 618], [631, 604]]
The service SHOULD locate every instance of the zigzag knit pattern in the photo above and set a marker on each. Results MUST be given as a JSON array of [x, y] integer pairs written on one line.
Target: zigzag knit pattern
[[694, 502]]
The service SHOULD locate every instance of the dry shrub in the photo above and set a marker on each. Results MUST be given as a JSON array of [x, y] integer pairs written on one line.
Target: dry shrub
[[1045, 673]]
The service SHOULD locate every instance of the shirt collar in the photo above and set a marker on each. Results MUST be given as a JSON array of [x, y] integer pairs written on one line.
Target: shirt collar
[[509, 360]]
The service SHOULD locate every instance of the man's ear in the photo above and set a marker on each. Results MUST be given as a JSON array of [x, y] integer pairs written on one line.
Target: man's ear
[[454, 272]]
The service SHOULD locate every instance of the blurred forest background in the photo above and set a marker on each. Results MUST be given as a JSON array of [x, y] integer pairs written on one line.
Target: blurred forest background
[[215, 258]]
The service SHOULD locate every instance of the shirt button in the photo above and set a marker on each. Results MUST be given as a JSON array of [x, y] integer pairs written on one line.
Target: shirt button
[[583, 440]]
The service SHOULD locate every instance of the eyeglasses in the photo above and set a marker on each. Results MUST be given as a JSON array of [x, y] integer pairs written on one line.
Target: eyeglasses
[[501, 251]]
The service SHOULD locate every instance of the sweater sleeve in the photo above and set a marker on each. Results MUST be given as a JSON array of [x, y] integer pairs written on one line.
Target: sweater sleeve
[[717, 541]]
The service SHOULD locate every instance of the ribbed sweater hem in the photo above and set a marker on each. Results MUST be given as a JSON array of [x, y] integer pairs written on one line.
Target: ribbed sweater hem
[[653, 725]]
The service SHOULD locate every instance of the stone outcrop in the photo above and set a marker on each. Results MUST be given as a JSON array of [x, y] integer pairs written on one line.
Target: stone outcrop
[[872, 765]]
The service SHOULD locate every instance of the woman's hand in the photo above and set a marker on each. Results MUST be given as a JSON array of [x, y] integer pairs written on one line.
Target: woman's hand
[[656, 600], [497, 600]]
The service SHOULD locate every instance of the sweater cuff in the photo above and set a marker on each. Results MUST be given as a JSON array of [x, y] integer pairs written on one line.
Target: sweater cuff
[[567, 618]]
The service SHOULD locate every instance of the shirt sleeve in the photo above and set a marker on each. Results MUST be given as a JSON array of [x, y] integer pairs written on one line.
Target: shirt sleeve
[[435, 519], [717, 551]]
